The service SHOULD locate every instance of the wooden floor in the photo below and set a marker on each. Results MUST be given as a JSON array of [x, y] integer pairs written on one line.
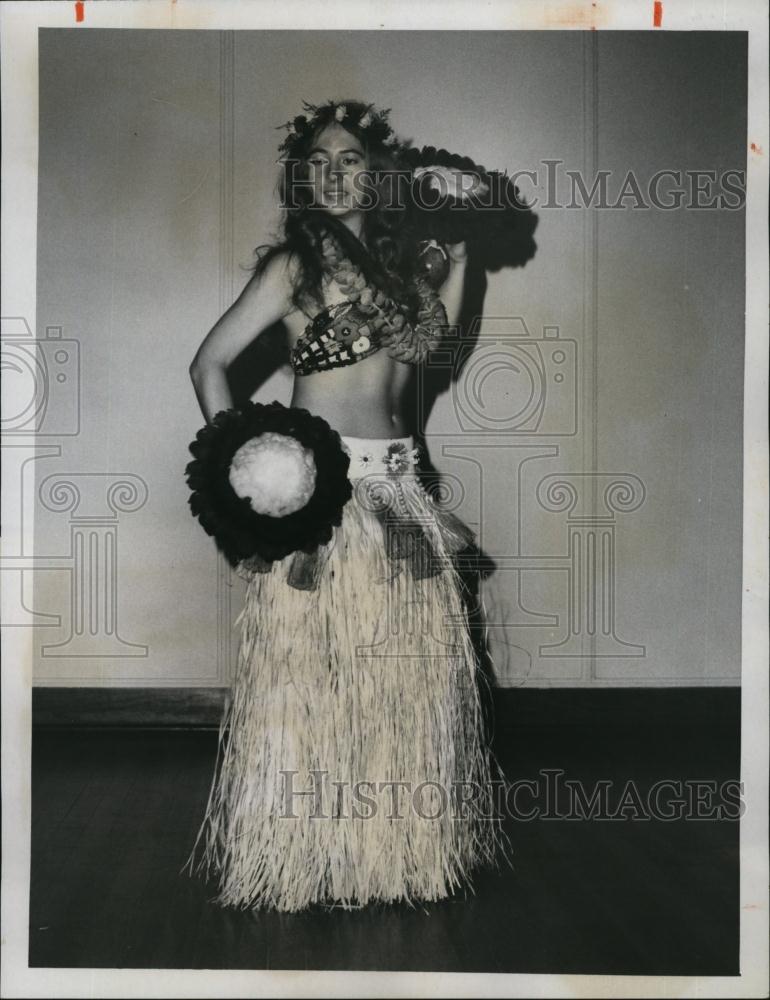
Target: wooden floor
[[115, 813]]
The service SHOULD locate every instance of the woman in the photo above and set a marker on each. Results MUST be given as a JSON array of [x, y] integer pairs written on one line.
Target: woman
[[352, 766]]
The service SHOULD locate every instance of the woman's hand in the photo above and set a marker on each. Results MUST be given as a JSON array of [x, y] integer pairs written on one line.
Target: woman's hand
[[452, 181], [458, 252]]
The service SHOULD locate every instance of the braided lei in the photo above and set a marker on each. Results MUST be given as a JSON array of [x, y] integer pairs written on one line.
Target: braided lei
[[369, 320]]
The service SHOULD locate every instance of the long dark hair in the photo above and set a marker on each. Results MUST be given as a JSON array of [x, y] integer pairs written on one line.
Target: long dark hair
[[386, 253]]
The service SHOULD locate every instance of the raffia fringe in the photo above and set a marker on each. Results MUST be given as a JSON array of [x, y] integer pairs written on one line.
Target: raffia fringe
[[371, 676]]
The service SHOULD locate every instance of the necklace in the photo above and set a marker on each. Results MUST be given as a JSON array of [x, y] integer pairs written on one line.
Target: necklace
[[386, 322]]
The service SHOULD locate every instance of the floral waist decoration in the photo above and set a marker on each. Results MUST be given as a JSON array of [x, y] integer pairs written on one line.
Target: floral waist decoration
[[399, 458]]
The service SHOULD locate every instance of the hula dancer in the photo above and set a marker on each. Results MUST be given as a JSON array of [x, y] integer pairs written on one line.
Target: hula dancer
[[353, 765]]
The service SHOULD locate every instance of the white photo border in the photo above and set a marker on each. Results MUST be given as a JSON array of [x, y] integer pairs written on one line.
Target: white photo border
[[19, 24]]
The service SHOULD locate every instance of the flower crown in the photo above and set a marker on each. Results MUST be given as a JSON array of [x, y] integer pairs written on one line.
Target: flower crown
[[372, 121]]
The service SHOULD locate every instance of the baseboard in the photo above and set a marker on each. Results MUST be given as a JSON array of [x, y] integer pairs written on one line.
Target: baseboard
[[514, 707]]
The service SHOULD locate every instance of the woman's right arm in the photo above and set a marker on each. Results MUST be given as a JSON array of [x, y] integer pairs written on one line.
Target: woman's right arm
[[265, 300]]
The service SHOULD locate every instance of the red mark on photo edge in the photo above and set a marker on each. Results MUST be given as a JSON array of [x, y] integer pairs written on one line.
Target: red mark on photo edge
[[657, 13], [79, 11], [756, 149]]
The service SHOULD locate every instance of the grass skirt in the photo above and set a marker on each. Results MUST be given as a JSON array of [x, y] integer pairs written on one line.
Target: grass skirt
[[352, 764]]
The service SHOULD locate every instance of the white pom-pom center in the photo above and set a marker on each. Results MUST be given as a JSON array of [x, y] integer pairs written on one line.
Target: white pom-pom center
[[275, 471]]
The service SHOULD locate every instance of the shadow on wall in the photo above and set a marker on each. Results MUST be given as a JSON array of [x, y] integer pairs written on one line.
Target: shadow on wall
[[476, 564]]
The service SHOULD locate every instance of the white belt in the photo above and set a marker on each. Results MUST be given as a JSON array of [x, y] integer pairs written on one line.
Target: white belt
[[381, 456]]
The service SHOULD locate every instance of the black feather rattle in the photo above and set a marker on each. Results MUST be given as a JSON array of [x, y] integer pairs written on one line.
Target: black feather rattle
[[455, 200]]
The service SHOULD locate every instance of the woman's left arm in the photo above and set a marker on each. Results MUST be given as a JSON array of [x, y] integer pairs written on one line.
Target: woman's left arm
[[451, 292]]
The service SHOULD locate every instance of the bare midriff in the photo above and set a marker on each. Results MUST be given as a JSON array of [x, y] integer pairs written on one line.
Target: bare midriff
[[366, 399]]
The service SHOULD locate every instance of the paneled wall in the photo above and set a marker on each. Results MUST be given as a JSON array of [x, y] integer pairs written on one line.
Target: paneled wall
[[593, 437]]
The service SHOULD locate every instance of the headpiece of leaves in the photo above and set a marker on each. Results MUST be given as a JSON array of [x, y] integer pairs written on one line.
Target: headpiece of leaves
[[370, 120]]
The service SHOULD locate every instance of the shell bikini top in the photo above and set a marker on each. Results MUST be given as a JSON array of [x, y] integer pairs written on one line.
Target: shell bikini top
[[365, 322]]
